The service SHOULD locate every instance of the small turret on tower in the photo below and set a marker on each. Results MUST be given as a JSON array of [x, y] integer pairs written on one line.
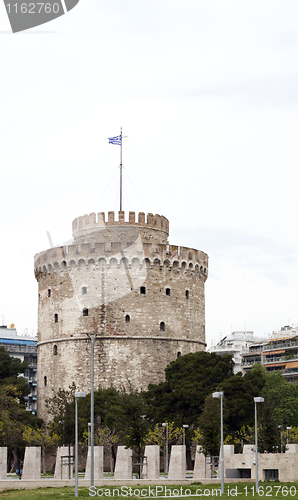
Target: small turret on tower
[[89, 227]]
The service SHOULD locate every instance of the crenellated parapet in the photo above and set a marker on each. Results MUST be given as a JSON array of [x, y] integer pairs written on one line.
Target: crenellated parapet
[[93, 225], [78, 255]]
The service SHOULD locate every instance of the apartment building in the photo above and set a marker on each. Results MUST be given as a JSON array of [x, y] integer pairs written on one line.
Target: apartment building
[[24, 348]]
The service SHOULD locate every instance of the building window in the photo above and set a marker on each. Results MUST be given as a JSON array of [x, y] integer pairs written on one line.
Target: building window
[[56, 318], [85, 311], [127, 318], [55, 350], [271, 474], [178, 354], [49, 292], [187, 294], [143, 290], [162, 326], [45, 381], [168, 291], [84, 290]]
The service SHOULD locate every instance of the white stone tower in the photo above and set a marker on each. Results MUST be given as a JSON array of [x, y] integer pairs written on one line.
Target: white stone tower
[[143, 298]]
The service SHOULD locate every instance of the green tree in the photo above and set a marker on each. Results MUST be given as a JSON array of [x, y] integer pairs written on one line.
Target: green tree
[[10, 369], [103, 436], [238, 410], [189, 380], [61, 408], [279, 409], [157, 434], [131, 424], [13, 415], [43, 437], [239, 392], [208, 436]]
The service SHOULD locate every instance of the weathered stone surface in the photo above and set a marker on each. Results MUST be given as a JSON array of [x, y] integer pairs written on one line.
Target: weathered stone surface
[[145, 302], [248, 448], [32, 463], [65, 471], [285, 463], [98, 463], [3, 463], [177, 467], [152, 452], [200, 469], [123, 467]]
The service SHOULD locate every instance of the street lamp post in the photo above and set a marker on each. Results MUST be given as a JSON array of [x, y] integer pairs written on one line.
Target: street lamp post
[[288, 429], [62, 422], [257, 400], [89, 431], [185, 426], [280, 427], [92, 410], [165, 424], [79, 394], [220, 395]]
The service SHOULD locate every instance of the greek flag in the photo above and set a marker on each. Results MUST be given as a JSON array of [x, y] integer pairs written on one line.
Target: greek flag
[[115, 140]]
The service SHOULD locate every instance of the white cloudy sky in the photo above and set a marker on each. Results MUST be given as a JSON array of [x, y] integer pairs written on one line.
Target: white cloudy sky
[[207, 93]]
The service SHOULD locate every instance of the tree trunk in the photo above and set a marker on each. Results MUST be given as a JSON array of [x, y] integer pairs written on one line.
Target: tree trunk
[[10, 462], [16, 459], [189, 461], [140, 467], [114, 456], [111, 458]]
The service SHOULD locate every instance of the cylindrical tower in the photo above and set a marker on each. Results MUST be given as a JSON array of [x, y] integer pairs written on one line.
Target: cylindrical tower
[[143, 299]]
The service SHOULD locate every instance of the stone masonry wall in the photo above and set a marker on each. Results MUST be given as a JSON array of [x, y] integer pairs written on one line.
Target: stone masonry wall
[[144, 301]]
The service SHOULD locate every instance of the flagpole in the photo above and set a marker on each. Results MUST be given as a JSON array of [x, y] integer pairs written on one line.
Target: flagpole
[[121, 169]]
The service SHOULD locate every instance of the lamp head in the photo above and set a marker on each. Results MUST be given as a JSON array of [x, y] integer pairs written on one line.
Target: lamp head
[[217, 394], [80, 394], [259, 400]]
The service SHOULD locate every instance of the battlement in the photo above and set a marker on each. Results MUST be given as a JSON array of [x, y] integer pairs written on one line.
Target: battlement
[[78, 255], [91, 223]]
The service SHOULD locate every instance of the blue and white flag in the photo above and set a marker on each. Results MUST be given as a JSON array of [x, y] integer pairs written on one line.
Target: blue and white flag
[[115, 140]]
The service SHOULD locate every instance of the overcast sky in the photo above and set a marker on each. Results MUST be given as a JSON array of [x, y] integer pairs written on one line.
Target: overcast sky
[[207, 95]]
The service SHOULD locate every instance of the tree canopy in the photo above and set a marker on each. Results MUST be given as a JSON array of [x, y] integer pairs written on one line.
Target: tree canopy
[[189, 380]]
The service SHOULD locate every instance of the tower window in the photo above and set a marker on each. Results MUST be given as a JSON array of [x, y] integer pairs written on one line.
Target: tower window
[[162, 326], [127, 318], [55, 350], [187, 294], [45, 381], [56, 318], [178, 354], [168, 291], [85, 311], [84, 290], [143, 290], [49, 292]]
